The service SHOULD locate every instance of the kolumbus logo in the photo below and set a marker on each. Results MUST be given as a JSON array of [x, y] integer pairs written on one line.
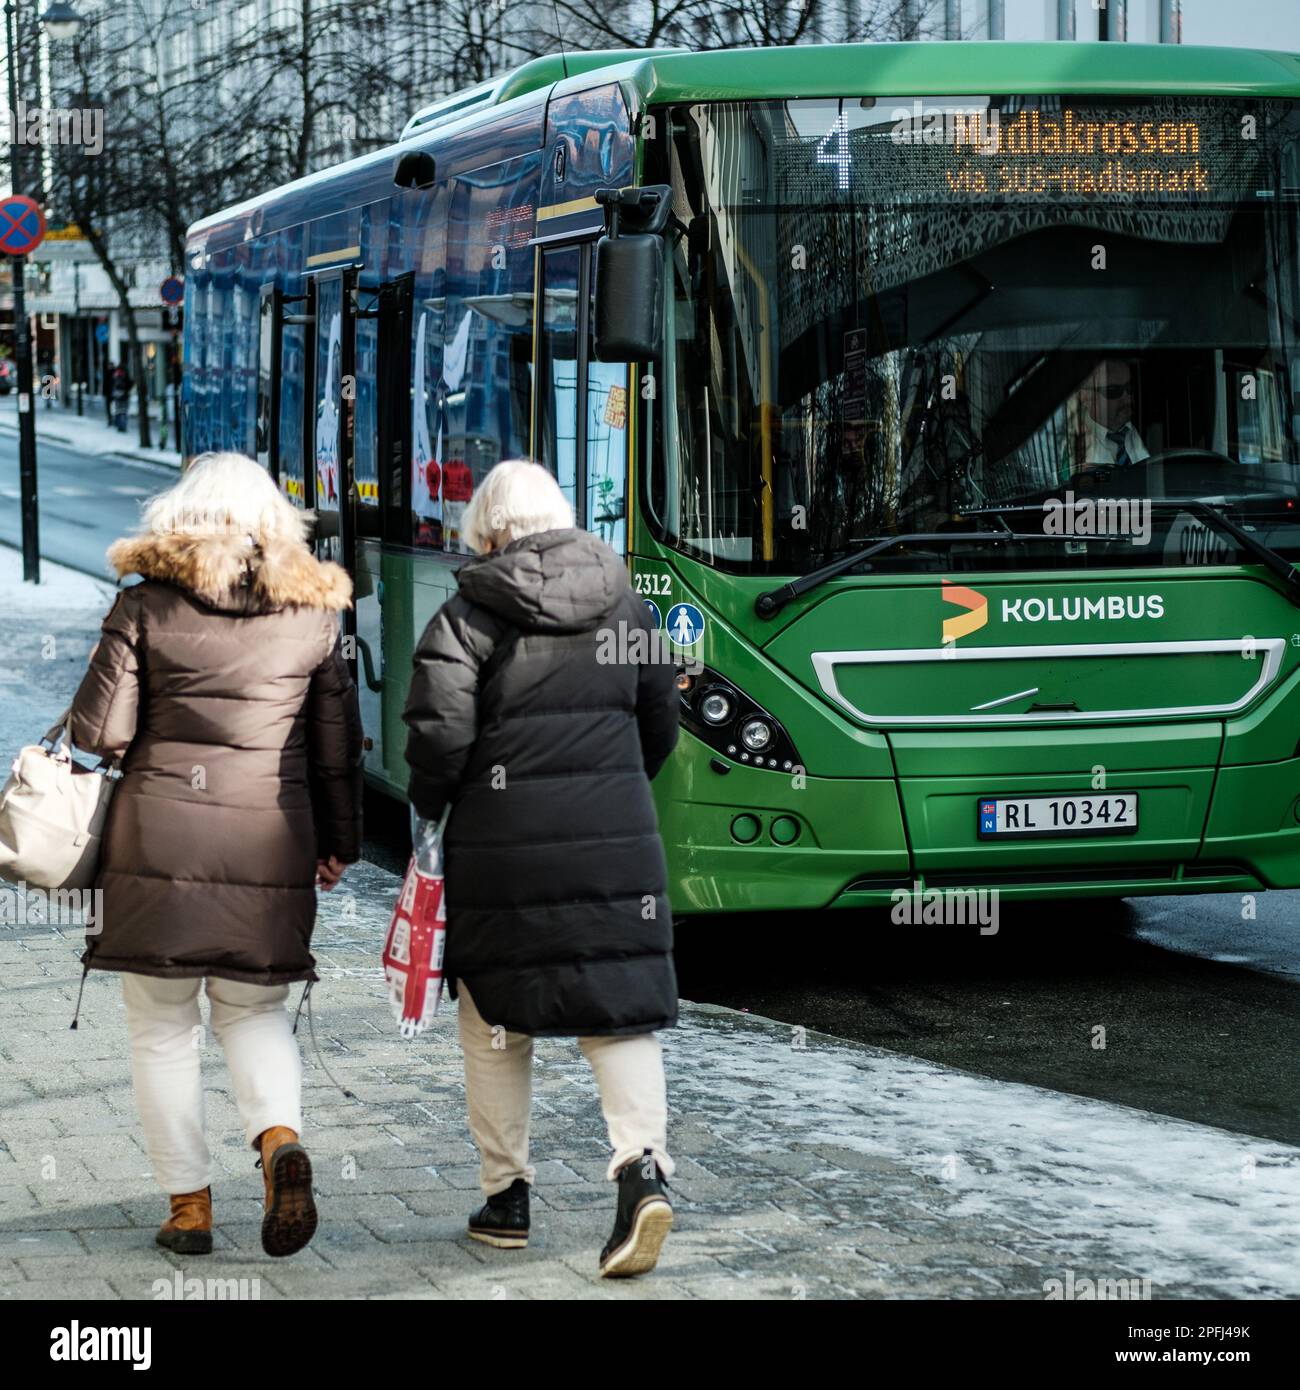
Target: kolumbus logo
[[975, 616], [1071, 608]]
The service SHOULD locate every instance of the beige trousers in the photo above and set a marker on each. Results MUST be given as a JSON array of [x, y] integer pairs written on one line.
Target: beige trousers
[[498, 1091], [167, 1038]]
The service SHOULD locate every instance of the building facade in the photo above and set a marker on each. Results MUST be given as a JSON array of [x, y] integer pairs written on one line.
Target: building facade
[[251, 93]]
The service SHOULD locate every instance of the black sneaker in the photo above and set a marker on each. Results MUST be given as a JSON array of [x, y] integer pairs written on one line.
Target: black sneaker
[[503, 1219], [645, 1216]]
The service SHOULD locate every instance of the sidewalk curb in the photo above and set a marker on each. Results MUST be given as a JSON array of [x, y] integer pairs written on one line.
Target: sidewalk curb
[[70, 442], [98, 575], [143, 458]]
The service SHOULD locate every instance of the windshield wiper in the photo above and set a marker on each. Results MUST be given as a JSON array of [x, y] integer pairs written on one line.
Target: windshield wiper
[[1272, 560], [768, 604]]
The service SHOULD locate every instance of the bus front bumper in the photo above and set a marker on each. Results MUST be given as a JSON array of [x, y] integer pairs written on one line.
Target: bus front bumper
[[753, 840]]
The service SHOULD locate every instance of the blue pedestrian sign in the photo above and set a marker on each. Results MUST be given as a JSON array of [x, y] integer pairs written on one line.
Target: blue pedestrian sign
[[685, 625], [101, 332], [656, 617]]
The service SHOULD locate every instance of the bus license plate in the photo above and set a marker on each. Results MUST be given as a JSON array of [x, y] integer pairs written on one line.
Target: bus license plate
[[1101, 814]]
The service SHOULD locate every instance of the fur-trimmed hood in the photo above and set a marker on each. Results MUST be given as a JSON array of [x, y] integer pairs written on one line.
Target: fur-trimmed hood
[[236, 574]]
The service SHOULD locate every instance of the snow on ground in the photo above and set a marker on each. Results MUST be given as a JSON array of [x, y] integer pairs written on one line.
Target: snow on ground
[[1213, 928], [46, 633], [59, 588], [1172, 1201]]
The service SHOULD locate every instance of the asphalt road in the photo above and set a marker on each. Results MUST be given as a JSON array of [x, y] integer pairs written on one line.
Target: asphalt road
[[1185, 1034], [1200, 1008], [85, 502]]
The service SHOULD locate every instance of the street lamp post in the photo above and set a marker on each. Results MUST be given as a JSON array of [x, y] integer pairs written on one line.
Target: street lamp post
[[77, 344], [60, 21], [22, 343]]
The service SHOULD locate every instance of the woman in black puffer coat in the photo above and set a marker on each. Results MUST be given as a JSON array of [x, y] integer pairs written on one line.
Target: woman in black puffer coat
[[536, 714]]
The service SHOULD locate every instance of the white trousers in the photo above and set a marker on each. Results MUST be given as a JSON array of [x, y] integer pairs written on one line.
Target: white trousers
[[498, 1091], [167, 1038]]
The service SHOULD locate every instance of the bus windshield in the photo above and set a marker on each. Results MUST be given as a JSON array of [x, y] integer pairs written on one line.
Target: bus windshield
[[890, 315]]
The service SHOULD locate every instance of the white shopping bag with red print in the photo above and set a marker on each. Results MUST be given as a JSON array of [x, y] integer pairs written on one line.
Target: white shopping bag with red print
[[417, 935]]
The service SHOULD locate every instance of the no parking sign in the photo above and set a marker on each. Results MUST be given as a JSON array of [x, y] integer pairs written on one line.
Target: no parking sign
[[22, 225]]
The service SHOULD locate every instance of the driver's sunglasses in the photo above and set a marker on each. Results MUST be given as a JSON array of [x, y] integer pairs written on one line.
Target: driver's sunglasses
[[1113, 393]]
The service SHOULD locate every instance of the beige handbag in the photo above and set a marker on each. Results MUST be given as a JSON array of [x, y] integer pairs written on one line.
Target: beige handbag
[[52, 813]]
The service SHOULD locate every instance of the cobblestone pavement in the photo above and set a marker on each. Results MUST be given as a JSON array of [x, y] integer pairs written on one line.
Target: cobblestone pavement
[[808, 1167]]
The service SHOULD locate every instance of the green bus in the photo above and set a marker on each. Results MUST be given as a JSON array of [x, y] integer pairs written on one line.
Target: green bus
[[944, 399]]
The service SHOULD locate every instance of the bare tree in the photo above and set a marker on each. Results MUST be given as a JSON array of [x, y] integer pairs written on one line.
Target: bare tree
[[111, 195], [624, 23], [208, 102], [761, 23], [323, 81], [152, 104], [709, 24]]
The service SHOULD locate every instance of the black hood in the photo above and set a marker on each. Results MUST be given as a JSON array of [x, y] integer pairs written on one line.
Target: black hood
[[554, 581]]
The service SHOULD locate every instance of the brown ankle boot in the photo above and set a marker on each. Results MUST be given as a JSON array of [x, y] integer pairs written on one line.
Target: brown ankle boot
[[289, 1221], [188, 1230]]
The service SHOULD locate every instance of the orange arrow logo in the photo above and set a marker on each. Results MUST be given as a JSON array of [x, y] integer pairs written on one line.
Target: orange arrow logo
[[964, 623]]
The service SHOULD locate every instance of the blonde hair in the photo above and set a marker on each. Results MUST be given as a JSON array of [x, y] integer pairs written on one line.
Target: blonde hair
[[516, 499], [226, 494]]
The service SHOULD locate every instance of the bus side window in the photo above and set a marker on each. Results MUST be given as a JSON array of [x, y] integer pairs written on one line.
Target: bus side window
[[606, 436], [365, 461], [421, 394], [556, 443], [582, 404], [266, 422]]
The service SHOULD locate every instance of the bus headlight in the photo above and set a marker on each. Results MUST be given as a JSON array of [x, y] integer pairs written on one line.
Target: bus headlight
[[730, 722], [717, 708], [756, 735]]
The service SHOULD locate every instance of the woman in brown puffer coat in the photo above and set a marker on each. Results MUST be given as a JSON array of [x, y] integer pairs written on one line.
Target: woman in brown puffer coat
[[220, 684]]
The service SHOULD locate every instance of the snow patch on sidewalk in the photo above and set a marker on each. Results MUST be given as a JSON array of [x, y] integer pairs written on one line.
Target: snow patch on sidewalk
[[59, 589], [1119, 1188], [90, 433]]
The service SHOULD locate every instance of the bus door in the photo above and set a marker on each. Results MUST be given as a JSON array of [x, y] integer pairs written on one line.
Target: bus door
[[286, 333], [328, 429], [382, 482], [580, 418], [266, 425]]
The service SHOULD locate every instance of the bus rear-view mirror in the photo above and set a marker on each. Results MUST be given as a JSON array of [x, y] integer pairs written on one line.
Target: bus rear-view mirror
[[629, 297]]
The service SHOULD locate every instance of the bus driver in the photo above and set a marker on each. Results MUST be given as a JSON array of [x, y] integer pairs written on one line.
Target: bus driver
[[1105, 435]]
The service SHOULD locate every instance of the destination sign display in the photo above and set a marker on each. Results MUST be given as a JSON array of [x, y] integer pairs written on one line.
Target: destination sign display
[[1039, 149]]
